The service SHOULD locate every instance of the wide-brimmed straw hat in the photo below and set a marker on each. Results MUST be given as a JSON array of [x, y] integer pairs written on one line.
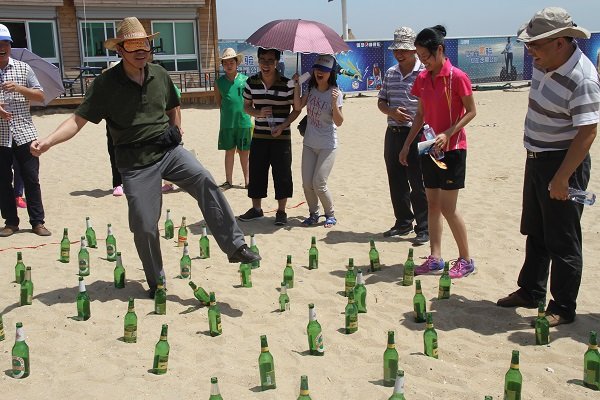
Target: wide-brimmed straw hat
[[551, 22], [230, 53], [129, 28], [404, 39]]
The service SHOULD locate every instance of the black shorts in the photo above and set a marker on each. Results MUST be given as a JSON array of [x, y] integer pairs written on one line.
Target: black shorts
[[452, 178], [277, 155]]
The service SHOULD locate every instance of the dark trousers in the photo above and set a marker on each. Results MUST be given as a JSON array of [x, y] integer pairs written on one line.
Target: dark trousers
[[17, 180], [553, 232], [29, 167], [406, 182], [116, 175], [276, 154]]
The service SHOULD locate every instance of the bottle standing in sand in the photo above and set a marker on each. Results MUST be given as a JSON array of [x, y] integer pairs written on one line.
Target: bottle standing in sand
[[111, 244], [130, 323], [20, 355], [65, 247], [161, 352], [90, 234], [266, 366], [119, 272]]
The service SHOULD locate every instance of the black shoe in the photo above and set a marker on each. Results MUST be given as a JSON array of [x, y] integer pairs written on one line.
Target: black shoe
[[280, 218], [398, 231], [151, 292], [421, 238], [520, 298], [251, 214], [244, 255]]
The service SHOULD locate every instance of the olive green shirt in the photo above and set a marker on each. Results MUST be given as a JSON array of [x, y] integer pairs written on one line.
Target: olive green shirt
[[133, 113]]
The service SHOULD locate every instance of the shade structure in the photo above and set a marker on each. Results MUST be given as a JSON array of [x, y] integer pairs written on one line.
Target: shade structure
[[47, 74], [299, 36]]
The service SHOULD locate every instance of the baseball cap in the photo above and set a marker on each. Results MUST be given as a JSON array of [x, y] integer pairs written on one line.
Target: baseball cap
[[5, 33], [324, 63]]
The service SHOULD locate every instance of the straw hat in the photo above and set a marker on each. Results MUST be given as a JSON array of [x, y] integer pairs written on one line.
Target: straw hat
[[404, 39], [551, 22], [129, 28], [230, 53]]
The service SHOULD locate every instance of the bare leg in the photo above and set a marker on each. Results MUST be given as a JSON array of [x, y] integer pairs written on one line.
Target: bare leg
[[244, 156], [229, 160], [455, 221], [281, 203], [434, 218]]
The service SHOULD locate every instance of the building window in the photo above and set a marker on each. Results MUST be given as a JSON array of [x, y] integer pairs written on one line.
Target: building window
[[37, 36], [93, 35], [177, 49]]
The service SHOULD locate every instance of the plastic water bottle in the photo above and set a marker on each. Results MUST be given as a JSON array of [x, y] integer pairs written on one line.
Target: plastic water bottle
[[430, 136], [428, 132], [581, 196]]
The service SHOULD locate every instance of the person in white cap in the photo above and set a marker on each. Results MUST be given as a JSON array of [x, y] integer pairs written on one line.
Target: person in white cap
[[235, 131], [323, 101], [560, 127], [139, 103], [18, 86]]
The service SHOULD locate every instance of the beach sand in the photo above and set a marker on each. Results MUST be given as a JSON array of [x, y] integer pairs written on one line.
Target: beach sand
[[73, 359]]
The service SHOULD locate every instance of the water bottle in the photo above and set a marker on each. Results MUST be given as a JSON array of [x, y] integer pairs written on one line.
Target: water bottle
[[430, 137], [581, 196], [428, 132]]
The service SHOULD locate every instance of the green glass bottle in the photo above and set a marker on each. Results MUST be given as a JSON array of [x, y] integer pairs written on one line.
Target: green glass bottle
[[83, 258], [215, 394], [284, 299], [200, 294], [111, 244], [419, 303], [19, 268], [304, 394], [182, 233], [398, 387], [65, 247], [160, 297], [591, 364], [254, 249], [488, 398], [161, 353], [390, 361], [313, 254], [445, 283], [350, 278], [130, 323], [185, 264], [434, 346], [513, 380], [374, 257], [83, 302], [245, 275], [428, 337], [169, 227], [90, 234], [266, 366], [351, 314], [119, 272], [27, 288], [542, 326], [20, 355], [409, 270], [214, 317], [360, 293], [288, 273], [2, 335], [204, 243], [315, 335]]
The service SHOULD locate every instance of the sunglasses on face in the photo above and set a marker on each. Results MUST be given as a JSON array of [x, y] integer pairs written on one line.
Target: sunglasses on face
[[131, 46]]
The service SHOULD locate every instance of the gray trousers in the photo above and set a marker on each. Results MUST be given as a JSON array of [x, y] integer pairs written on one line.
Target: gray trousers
[[316, 167], [144, 197]]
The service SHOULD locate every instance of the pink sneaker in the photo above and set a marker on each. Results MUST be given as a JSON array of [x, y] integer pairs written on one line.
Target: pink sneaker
[[118, 191], [432, 265], [461, 268], [20, 202], [167, 187]]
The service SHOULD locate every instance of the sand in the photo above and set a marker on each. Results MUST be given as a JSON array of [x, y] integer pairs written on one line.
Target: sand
[[71, 359]]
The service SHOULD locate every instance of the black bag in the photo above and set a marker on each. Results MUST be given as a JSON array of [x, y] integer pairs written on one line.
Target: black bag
[[168, 139], [302, 125]]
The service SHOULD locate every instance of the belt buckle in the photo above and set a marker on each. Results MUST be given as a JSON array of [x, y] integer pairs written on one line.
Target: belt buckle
[[531, 154]]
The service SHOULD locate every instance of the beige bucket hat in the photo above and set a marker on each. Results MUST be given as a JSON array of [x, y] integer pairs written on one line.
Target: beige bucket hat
[[404, 39], [551, 22], [230, 53], [130, 28]]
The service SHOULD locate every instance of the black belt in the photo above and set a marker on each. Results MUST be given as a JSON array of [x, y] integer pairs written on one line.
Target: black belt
[[399, 129], [546, 154]]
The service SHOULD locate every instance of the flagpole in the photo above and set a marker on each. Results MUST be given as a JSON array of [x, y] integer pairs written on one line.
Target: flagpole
[[344, 20]]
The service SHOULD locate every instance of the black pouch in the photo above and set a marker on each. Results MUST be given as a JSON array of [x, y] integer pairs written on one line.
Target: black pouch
[[302, 125], [171, 137]]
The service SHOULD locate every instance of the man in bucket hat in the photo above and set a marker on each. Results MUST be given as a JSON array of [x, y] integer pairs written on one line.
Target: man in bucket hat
[[560, 127], [395, 101], [139, 103], [18, 86]]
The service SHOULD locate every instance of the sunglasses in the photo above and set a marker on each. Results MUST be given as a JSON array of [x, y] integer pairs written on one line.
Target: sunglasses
[[134, 45]]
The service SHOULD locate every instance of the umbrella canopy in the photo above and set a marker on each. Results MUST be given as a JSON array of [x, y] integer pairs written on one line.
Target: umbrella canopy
[[300, 36], [47, 74]]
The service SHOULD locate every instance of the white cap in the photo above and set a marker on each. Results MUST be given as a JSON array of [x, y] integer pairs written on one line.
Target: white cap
[[5, 33], [324, 63]]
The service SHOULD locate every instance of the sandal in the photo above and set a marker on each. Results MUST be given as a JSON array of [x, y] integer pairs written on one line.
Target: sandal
[[226, 186], [311, 220], [329, 221]]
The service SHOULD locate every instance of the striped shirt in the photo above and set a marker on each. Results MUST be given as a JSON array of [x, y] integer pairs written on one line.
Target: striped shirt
[[561, 101], [20, 129], [279, 97], [396, 91]]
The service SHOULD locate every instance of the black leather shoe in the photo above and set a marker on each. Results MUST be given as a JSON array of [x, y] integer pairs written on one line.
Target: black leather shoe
[[421, 238], [151, 292], [244, 255], [517, 299], [398, 231]]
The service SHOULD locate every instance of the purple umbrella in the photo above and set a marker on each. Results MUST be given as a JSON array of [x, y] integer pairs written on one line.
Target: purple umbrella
[[47, 74], [299, 36]]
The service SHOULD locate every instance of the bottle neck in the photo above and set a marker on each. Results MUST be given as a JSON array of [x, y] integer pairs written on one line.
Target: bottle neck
[[20, 335], [214, 389], [109, 231], [203, 231], [168, 215], [252, 241], [399, 386], [283, 289], [360, 280], [81, 286], [27, 275], [88, 224], [312, 314]]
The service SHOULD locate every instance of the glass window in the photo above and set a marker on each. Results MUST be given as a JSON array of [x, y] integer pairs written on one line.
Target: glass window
[[184, 32], [93, 35], [179, 45], [41, 37]]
